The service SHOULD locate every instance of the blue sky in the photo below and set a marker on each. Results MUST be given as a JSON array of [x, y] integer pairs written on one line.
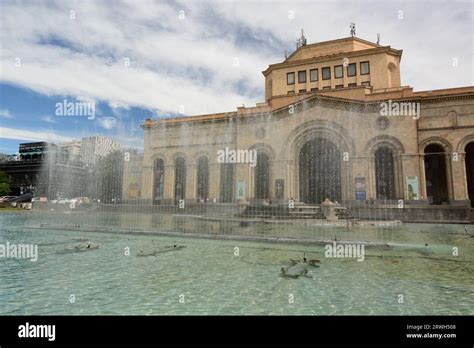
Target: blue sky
[[141, 59]]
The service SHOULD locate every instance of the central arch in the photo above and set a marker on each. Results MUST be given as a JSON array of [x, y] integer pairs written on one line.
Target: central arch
[[335, 134], [319, 171]]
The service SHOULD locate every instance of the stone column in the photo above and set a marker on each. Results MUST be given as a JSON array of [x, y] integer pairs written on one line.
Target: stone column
[[370, 181], [214, 181], [191, 182], [250, 183], [168, 192], [449, 177], [147, 184], [291, 184], [423, 194], [459, 180], [347, 185]]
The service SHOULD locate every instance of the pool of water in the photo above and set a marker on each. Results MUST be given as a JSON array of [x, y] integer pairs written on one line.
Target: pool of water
[[208, 276]]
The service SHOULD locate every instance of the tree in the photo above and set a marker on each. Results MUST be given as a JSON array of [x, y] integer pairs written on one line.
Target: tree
[[4, 184]]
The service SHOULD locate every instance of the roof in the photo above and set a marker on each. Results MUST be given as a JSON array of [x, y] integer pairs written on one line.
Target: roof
[[322, 44], [404, 93], [333, 49]]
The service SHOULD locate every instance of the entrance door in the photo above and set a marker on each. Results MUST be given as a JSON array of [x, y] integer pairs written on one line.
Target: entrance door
[[319, 171]]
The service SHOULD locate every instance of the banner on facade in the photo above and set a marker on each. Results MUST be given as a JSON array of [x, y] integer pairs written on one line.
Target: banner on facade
[[413, 188], [241, 189], [360, 192]]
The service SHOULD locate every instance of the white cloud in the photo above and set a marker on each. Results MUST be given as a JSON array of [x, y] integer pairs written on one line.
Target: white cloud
[[141, 53], [48, 119], [41, 135], [107, 122], [169, 67], [5, 113]]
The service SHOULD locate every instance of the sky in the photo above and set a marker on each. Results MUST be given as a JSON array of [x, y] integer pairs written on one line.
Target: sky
[[133, 60]]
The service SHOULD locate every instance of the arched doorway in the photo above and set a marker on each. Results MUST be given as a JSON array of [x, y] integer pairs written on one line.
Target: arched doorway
[[319, 171], [384, 173], [262, 177], [436, 174], [226, 183], [470, 171], [203, 179], [180, 179], [158, 180]]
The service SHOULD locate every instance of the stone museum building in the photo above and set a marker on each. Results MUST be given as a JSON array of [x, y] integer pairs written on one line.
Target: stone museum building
[[336, 123]]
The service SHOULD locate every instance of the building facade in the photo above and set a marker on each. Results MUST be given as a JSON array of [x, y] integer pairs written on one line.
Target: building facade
[[96, 147], [336, 123], [45, 169], [132, 176]]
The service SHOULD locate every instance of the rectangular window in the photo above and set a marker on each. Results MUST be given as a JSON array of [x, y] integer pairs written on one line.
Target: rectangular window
[[365, 83], [326, 87], [364, 68], [326, 73], [338, 72], [314, 89], [351, 69], [291, 92], [302, 91], [339, 86], [290, 78], [352, 85], [301, 76], [313, 74]]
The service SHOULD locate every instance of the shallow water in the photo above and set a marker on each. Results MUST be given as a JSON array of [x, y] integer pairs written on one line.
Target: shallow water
[[214, 280]]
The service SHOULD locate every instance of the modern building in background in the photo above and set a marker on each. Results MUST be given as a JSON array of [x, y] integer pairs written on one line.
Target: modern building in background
[[60, 170], [45, 169], [336, 123], [74, 149], [93, 148]]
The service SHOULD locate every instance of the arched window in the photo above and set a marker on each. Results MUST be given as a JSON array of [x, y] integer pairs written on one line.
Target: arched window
[[180, 179], [470, 171], [319, 171], [262, 177], [203, 178], [226, 183], [436, 174], [384, 173], [158, 181]]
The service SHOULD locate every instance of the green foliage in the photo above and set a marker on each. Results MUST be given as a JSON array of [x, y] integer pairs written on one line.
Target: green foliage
[[4, 184]]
